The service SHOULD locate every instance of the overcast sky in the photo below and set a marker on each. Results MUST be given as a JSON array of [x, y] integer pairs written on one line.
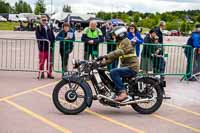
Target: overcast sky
[[83, 6]]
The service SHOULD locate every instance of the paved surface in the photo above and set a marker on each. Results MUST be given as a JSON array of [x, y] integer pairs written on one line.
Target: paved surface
[[26, 107]]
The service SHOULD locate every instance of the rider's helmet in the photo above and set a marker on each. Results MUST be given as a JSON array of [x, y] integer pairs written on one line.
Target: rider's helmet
[[119, 32]]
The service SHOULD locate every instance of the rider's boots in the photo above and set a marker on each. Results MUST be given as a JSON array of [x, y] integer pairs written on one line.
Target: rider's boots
[[122, 96]]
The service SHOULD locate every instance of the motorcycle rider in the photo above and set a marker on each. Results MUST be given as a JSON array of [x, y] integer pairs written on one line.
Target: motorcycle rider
[[129, 63]]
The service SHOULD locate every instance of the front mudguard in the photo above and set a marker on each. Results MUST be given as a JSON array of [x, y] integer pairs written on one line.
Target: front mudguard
[[84, 85]]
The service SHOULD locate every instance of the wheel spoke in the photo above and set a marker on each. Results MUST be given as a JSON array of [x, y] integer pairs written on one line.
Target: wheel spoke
[[71, 105]]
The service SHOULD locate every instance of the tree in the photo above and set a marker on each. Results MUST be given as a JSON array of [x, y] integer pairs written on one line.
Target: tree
[[22, 7], [4, 7], [198, 18], [67, 8], [39, 7], [136, 18]]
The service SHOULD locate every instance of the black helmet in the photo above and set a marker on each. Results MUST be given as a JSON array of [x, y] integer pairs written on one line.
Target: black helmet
[[120, 32]]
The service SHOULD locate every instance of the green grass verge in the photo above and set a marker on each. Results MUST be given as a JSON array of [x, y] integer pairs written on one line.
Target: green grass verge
[[8, 25]]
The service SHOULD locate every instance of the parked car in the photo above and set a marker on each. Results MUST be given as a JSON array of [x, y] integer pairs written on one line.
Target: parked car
[[17, 18], [166, 33], [23, 19], [175, 33], [2, 19]]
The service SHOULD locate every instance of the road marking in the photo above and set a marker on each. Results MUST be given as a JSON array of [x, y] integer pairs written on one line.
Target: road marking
[[39, 117], [101, 116], [104, 117], [176, 123], [28, 91], [183, 109]]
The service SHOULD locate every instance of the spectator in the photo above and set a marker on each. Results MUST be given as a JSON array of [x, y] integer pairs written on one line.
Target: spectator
[[158, 60], [148, 51], [21, 26], [92, 36], [135, 38], [103, 30], [65, 46], [44, 32], [193, 41], [111, 46], [159, 31]]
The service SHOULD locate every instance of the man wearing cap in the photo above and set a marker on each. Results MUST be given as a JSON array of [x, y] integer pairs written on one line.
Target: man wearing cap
[[92, 36], [111, 45]]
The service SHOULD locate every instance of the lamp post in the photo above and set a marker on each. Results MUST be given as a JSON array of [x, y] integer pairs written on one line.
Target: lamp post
[[51, 6]]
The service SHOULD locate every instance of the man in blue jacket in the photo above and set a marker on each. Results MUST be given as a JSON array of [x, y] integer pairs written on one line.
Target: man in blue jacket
[[196, 37], [195, 43], [65, 36]]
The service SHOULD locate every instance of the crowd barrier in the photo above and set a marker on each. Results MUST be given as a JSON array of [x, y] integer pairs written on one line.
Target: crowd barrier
[[21, 54], [175, 60]]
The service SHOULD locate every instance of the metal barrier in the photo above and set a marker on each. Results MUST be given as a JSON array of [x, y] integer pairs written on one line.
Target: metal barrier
[[175, 39], [173, 56], [76, 53], [166, 59], [20, 54]]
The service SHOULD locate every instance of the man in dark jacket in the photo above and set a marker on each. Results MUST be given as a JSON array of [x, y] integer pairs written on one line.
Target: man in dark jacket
[[159, 30], [66, 47], [147, 51], [111, 45], [45, 35], [92, 36]]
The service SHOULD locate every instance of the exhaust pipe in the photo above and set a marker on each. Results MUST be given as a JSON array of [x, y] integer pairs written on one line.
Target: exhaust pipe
[[125, 103]]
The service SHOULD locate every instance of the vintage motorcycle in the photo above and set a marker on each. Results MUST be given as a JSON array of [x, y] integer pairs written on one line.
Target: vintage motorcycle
[[76, 91]]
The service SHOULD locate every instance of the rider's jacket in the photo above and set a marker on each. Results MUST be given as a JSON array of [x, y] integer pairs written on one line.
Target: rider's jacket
[[126, 53]]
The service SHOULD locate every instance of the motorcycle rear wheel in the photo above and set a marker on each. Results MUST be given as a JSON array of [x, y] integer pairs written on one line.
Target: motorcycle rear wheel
[[159, 98]]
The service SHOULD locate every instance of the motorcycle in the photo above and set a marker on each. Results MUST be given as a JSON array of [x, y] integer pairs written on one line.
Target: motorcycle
[[77, 90]]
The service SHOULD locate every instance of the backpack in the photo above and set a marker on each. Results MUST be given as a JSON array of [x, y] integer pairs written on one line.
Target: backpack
[[187, 51]]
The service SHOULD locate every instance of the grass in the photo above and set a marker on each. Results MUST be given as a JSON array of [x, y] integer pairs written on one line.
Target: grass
[[8, 25], [145, 30]]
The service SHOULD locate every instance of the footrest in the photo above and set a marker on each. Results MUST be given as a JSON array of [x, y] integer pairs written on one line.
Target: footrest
[[166, 97]]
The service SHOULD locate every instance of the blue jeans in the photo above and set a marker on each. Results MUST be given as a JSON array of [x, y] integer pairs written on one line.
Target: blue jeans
[[118, 73], [113, 65]]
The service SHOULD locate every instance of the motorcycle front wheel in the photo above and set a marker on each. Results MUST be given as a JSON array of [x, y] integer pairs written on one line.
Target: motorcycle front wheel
[[69, 97]]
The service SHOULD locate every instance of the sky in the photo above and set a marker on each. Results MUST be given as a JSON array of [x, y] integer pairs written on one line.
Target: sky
[[84, 6]]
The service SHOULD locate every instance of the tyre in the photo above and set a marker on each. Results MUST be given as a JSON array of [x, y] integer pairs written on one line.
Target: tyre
[[69, 97], [157, 93]]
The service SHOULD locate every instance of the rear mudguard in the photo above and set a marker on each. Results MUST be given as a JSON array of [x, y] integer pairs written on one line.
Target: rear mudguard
[[84, 85], [159, 82]]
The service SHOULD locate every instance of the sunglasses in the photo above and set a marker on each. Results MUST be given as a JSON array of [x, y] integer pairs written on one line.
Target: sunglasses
[[44, 20], [132, 28]]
